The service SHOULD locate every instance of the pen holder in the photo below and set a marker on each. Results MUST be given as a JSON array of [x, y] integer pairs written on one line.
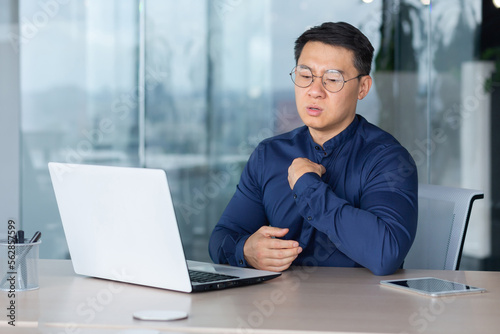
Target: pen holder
[[19, 266]]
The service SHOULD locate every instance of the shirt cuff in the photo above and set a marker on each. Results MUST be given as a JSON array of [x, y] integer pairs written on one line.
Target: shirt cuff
[[303, 183], [239, 256]]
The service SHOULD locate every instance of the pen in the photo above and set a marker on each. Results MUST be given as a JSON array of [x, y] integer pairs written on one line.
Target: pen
[[20, 240], [20, 237], [36, 237], [23, 255]]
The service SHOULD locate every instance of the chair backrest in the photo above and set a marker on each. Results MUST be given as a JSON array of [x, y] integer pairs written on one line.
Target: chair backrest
[[443, 216]]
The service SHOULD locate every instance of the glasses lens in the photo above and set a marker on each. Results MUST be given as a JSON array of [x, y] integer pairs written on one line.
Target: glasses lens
[[333, 81], [302, 76]]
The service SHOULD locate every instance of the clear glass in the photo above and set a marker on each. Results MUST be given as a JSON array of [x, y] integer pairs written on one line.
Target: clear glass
[[79, 105], [19, 265], [428, 81], [216, 84], [332, 80]]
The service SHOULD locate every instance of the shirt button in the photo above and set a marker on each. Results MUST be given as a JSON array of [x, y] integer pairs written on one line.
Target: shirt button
[[241, 261], [294, 196], [309, 218], [316, 147], [324, 153]]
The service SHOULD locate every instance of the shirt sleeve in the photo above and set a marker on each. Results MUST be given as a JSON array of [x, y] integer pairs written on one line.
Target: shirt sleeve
[[379, 233], [243, 216]]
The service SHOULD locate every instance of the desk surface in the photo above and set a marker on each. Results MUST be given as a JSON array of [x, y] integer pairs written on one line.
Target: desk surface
[[302, 300]]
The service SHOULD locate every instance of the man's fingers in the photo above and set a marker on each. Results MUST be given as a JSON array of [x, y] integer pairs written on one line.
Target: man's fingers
[[301, 166], [265, 250], [270, 231], [323, 169], [282, 244], [282, 253], [278, 264], [277, 247]]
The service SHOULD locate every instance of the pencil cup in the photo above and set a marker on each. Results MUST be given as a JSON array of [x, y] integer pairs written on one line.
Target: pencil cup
[[19, 266]]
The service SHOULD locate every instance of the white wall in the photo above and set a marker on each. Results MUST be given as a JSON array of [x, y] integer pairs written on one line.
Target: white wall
[[9, 117], [475, 152]]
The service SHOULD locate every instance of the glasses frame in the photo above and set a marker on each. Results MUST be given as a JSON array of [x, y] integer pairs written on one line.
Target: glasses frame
[[322, 77]]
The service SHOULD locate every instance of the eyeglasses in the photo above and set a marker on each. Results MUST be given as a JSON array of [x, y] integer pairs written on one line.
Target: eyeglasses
[[332, 80]]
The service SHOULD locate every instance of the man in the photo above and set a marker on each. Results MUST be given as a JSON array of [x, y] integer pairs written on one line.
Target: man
[[336, 192]]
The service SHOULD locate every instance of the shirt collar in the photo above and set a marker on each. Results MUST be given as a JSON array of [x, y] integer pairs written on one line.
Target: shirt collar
[[339, 139]]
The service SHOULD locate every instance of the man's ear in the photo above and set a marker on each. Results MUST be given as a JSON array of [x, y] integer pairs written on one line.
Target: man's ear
[[364, 86]]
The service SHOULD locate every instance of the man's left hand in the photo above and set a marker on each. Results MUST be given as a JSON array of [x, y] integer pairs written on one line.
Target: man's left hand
[[300, 166]]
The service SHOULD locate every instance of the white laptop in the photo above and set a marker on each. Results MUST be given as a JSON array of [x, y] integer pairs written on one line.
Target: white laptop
[[120, 225]]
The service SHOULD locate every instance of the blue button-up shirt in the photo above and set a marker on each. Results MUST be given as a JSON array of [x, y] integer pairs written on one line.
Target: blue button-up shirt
[[361, 213]]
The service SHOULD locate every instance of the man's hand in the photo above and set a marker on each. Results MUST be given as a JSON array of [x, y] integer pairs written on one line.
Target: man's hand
[[300, 166], [264, 252]]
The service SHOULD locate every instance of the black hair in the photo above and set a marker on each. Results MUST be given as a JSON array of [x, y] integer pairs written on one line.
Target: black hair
[[340, 34]]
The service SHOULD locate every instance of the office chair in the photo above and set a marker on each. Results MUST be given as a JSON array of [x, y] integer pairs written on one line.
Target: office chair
[[443, 216]]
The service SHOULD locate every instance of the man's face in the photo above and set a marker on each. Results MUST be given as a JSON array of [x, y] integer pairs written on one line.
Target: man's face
[[325, 113]]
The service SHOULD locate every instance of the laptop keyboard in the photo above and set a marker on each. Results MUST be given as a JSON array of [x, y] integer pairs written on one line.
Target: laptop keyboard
[[205, 277]]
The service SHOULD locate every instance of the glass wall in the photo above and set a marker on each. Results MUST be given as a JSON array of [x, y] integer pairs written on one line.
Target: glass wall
[[79, 86], [192, 87]]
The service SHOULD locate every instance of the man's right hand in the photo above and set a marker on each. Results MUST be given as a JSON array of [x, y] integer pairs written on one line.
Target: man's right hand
[[264, 252]]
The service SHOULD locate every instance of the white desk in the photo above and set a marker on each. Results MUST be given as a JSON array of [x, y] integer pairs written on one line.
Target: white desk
[[303, 300]]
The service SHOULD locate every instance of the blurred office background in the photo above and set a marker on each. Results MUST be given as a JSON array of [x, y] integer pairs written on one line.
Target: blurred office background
[[192, 86]]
